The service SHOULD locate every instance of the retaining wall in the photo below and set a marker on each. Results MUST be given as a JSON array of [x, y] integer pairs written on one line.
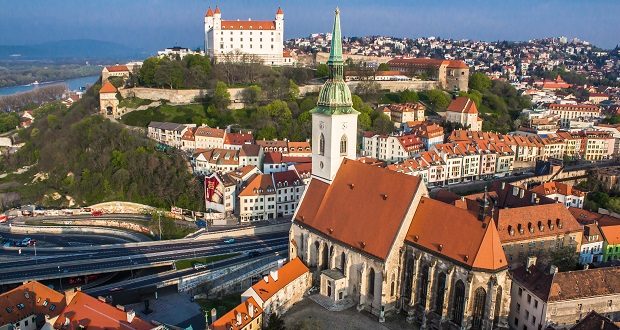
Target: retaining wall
[[16, 229], [247, 231]]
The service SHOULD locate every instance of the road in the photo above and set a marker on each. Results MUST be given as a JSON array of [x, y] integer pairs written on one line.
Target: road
[[63, 240], [77, 262], [154, 280]]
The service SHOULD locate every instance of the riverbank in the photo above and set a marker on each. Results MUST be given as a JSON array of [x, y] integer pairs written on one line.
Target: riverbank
[[72, 84]]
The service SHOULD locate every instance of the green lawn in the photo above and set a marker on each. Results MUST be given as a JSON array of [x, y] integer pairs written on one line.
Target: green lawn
[[133, 102], [183, 264], [182, 114]]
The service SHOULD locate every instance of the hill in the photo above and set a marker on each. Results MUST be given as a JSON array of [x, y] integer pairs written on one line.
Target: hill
[[79, 49], [79, 154]]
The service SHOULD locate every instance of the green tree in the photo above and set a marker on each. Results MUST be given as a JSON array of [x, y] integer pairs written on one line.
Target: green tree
[[322, 70], [437, 98], [383, 67], [147, 71], [565, 258], [221, 96], [275, 323], [8, 121], [117, 81], [252, 94], [479, 81], [408, 96], [293, 90], [382, 124]]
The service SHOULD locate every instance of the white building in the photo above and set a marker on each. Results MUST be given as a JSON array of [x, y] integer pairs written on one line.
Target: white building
[[257, 200], [175, 52], [562, 193], [591, 245], [168, 133], [289, 188], [392, 148], [462, 110], [231, 39]]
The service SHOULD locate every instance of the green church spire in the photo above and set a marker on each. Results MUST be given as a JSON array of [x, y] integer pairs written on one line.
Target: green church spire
[[335, 96]]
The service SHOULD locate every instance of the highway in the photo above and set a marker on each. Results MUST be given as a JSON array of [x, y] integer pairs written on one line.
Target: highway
[[150, 281], [69, 262]]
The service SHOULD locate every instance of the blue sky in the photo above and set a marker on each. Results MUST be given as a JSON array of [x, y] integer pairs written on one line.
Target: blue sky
[[153, 24]]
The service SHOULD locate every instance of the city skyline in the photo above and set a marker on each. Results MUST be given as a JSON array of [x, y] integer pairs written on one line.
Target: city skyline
[[156, 24]]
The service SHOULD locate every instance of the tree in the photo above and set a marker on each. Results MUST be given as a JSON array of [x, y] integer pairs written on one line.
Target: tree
[[252, 94], [383, 67], [322, 70], [437, 98], [293, 90], [117, 81], [221, 96], [479, 81], [147, 71], [565, 258], [382, 124], [367, 88], [408, 96], [275, 322]]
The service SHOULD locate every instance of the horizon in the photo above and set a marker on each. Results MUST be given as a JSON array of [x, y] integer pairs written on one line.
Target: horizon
[[159, 24]]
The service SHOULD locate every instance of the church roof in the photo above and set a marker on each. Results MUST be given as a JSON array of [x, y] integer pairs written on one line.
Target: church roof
[[463, 104], [438, 227], [364, 207]]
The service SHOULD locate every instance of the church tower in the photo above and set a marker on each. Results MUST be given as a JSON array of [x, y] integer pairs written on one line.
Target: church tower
[[334, 121]]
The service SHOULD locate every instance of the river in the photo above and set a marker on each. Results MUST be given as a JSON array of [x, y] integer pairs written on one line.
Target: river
[[73, 84]]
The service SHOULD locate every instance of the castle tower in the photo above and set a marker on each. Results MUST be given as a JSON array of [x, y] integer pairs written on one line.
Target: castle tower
[[208, 26], [280, 20], [334, 121]]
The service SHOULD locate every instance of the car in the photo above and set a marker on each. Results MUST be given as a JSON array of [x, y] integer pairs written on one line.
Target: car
[[199, 266], [116, 289], [229, 240]]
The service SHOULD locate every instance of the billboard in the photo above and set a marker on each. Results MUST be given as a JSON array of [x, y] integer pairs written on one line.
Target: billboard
[[214, 193]]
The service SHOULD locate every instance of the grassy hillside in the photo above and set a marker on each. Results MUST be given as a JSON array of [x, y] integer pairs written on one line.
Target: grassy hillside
[[80, 154]]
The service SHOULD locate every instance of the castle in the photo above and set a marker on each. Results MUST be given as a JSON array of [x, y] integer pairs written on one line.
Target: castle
[[236, 40]]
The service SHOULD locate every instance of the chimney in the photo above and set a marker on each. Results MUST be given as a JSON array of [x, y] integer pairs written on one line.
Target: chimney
[[503, 185], [553, 270], [531, 261], [251, 310], [533, 198], [238, 318], [274, 275], [130, 315], [67, 321], [266, 278], [521, 192]]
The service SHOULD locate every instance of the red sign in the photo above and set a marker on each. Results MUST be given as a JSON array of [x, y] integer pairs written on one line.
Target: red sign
[[212, 194]]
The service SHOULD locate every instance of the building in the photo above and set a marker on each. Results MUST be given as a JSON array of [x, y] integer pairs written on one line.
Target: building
[[608, 176], [257, 200], [176, 52], [289, 189], [170, 134], [542, 296], [430, 133], [216, 160], [450, 74], [392, 148], [406, 112], [299, 149], [273, 145], [28, 306], [462, 110], [236, 140], [86, 312], [610, 228], [122, 71], [236, 40], [592, 245], [280, 289], [108, 103], [561, 192], [595, 320], [248, 315], [597, 98], [568, 112], [209, 138]]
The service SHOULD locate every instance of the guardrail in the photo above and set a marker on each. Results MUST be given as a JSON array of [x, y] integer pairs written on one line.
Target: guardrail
[[74, 230]]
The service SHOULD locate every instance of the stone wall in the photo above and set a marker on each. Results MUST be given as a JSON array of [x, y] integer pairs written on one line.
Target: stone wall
[[181, 96]]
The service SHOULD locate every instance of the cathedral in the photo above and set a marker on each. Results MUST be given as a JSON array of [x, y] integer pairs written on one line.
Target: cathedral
[[373, 239]]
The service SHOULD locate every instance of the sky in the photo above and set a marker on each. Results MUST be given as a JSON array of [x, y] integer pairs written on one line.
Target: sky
[[155, 24]]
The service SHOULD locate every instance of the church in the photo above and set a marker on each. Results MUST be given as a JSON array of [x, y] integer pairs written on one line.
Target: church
[[373, 239]]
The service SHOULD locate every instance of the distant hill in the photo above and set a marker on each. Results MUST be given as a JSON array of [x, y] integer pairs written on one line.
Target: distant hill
[[82, 49]]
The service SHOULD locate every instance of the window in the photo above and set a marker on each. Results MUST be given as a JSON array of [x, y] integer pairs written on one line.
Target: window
[[322, 145], [480, 298], [343, 145], [520, 292], [371, 282], [529, 298]]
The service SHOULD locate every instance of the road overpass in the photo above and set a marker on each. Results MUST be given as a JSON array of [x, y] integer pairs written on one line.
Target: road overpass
[[53, 263]]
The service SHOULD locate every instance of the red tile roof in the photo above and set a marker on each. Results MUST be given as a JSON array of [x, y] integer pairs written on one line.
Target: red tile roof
[[209, 132], [287, 178], [438, 228], [98, 314], [536, 221], [364, 207], [463, 104], [575, 107], [261, 184], [248, 25], [34, 297], [288, 273], [550, 188], [108, 88], [117, 68], [239, 317], [238, 138], [209, 12], [279, 12]]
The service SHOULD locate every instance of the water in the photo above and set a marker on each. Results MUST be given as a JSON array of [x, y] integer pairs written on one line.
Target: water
[[73, 84]]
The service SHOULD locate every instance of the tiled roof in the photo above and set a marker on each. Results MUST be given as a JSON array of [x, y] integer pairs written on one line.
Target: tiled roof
[[364, 207], [596, 321], [242, 315], [97, 315], [209, 12], [529, 222], [261, 184], [248, 25], [272, 143], [575, 107], [583, 216], [189, 134], [463, 104], [108, 88], [550, 188], [209, 132], [289, 178], [28, 299], [238, 138], [273, 157], [291, 271], [572, 285], [611, 233], [299, 147], [167, 126], [117, 68], [221, 156], [410, 142], [428, 62], [438, 228], [250, 150]]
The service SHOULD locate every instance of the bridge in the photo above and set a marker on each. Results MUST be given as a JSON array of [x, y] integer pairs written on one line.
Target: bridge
[[54, 263]]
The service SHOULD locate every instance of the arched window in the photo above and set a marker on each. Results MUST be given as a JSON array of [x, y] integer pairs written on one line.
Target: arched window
[[343, 263], [343, 145], [392, 286], [322, 145], [441, 290], [406, 286], [480, 298], [371, 282], [325, 261], [316, 254], [458, 303], [498, 306], [423, 287]]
